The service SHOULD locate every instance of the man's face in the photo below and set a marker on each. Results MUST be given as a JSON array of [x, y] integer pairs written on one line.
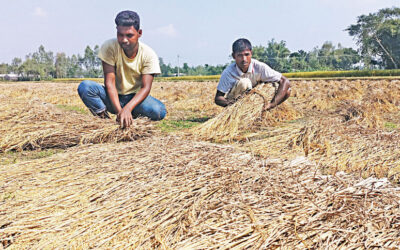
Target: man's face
[[128, 37], [243, 59]]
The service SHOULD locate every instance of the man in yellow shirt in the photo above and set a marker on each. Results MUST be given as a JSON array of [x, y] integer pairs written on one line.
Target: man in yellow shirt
[[129, 67]]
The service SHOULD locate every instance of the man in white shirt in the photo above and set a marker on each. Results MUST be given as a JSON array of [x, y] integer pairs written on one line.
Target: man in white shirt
[[245, 73]]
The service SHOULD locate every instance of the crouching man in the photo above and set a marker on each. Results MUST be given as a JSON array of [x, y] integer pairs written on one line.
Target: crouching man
[[245, 73], [129, 67]]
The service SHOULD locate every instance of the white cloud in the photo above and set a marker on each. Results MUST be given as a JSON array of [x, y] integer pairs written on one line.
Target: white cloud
[[168, 30], [39, 12]]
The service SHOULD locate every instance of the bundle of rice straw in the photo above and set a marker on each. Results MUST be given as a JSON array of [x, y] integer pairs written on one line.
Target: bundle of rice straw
[[38, 125], [247, 114], [343, 142]]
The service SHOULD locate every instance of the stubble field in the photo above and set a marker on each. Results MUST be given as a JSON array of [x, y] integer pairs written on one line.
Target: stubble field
[[320, 171]]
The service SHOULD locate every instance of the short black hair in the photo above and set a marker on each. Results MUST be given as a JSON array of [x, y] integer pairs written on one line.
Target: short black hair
[[240, 45], [128, 18]]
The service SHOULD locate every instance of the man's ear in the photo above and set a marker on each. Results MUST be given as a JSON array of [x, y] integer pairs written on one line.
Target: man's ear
[[140, 32], [233, 55]]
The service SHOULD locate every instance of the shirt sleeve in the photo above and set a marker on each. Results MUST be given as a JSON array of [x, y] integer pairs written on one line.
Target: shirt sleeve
[[269, 75], [226, 82], [151, 64], [107, 53]]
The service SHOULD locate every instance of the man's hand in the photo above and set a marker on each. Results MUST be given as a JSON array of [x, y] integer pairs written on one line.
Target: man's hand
[[281, 94], [230, 102], [220, 99], [270, 106], [124, 118]]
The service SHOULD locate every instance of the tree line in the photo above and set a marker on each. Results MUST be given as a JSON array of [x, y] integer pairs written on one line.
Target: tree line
[[44, 65], [376, 34]]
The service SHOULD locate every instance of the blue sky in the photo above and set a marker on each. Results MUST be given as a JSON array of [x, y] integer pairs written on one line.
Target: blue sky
[[199, 32]]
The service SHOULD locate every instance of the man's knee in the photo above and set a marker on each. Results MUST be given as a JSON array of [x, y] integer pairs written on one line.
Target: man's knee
[[158, 113], [84, 87]]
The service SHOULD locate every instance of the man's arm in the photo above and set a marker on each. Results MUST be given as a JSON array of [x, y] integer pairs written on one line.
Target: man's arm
[[220, 99], [109, 82], [281, 94], [125, 115]]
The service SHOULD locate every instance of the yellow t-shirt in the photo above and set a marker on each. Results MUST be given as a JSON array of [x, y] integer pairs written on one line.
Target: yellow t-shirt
[[128, 72]]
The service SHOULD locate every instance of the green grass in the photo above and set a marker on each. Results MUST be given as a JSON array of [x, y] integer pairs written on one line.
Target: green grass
[[390, 125], [176, 125], [7, 196], [298, 120], [72, 108], [12, 157]]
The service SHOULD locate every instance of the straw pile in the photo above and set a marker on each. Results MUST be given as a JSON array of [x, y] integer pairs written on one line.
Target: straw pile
[[184, 194], [345, 125], [246, 115], [27, 125], [185, 100], [348, 126], [365, 151]]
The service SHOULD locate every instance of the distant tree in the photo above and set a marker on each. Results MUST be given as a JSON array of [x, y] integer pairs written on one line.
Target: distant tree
[[30, 69], [345, 58], [198, 70], [259, 52], [4, 68], [278, 54], [275, 55], [97, 62], [326, 56], [15, 66], [61, 65], [40, 64], [312, 60], [91, 63], [74, 69], [165, 69], [185, 68], [217, 70], [378, 35], [298, 61]]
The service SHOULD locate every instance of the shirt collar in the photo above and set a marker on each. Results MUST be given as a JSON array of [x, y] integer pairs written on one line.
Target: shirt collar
[[249, 70]]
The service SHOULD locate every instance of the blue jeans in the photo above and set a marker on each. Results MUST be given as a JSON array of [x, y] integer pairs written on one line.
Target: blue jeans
[[95, 97]]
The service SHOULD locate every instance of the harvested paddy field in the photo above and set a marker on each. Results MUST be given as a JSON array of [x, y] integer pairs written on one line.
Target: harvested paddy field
[[320, 171]]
